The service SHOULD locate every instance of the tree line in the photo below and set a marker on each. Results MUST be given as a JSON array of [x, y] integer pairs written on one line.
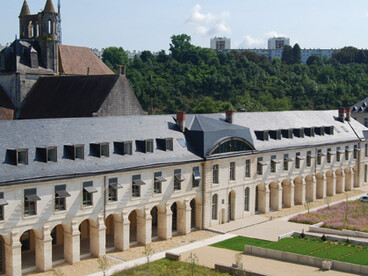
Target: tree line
[[201, 80]]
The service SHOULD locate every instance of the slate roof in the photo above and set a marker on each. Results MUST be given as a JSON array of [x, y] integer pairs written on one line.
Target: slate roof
[[6, 107], [75, 60], [360, 107], [59, 132], [67, 96]]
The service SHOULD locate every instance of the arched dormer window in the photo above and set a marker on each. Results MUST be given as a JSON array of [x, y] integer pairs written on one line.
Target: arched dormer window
[[231, 145]]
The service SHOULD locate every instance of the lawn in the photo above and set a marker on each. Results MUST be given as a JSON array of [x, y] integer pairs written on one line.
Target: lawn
[[168, 267], [332, 250], [352, 215]]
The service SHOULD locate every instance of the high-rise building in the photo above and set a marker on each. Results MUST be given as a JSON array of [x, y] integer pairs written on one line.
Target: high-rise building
[[220, 43], [278, 42]]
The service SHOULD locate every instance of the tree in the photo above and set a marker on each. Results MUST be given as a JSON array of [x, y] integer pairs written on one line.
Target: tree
[[314, 60], [179, 46], [113, 57], [297, 54], [192, 260], [346, 55], [287, 55], [103, 264]]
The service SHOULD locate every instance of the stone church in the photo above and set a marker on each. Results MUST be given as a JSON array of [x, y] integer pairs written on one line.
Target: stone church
[[37, 55]]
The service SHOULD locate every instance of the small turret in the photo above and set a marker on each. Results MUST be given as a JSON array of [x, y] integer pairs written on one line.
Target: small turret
[[25, 9], [49, 7]]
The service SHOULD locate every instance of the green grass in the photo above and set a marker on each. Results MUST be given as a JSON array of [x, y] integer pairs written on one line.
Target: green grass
[[308, 246], [237, 243], [168, 267]]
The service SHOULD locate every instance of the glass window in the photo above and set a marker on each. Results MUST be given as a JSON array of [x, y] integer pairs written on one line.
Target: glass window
[[52, 154], [329, 155], [309, 158], [347, 151], [79, 152], [157, 185], [366, 150], [136, 185], [60, 197], [231, 146], [113, 189], [3, 202], [232, 170], [319, 157], [273, 163], [169, 144], [338, 154], [128, 148], [22, 157], [247, 168], [246, 199], [177, 179], [149, 145], [196, 177], [260, 165], [30, 202], [104, 149], [214, 206], [88, 191], [215, 174]]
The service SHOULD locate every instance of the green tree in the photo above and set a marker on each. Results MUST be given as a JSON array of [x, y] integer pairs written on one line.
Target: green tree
[[287, 55], [297, 54], [114, 56]]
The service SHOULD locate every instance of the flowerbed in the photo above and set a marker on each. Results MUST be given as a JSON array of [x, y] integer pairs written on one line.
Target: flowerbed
[[351, 215]]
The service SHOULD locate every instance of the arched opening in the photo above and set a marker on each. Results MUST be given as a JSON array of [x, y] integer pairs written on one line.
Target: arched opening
[[110, 225], [174, 211], [231, 206], [2, 256], [330, 184], [84, 229], [193, 214], [298, 191], [215, 207], [309, 188], [274, 196], [232, 144], [154, 215], [261, 201], [246, 199], [286, 194], [30, 30], [57, 235], [320, 186], [49, 26], [28, 242], [133, 227]]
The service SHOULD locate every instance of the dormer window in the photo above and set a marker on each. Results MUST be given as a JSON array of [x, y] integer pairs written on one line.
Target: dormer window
[[100, 149], [320, 131], [287, 133], [145, 145], [46, 154], [123, 148], [17, 156], [275, 134], [74, 151], [262, 135], [329, 130], [298, 132], [309, 131], [165, 144]]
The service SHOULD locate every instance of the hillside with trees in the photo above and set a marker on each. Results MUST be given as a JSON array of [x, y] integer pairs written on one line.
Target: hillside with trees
[[201, 80]]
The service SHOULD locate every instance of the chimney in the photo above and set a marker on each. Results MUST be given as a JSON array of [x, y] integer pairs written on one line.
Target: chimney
[[180, 120], [348, 113], [87, 71], [121, 70], [229, 116], [341, 114]]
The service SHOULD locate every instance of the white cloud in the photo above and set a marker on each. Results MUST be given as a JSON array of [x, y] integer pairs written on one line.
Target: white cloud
[[251, 42], [208, 23], [274, 34]]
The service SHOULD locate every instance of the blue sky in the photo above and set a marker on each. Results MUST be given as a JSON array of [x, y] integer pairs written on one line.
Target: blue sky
[[148, 24]]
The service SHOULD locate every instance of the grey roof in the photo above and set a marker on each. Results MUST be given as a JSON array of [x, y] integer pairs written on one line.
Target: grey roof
[[204, 129], [360, 107]]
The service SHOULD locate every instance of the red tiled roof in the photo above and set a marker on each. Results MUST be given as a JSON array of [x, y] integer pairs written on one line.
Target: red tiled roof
[[75, 60]]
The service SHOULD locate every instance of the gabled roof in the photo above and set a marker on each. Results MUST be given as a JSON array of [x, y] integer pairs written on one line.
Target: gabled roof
[[68, 96], [25, 9], [360, 107], [49, 7], [6, 108], [75, 60]]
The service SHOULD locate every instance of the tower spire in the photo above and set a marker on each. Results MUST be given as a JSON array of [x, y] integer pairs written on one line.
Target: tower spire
[[25, 9], [49, 7], [59, 33]]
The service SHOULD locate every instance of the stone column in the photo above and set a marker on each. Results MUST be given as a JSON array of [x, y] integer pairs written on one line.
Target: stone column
[[304, 190], [184, 216], [164, 227], [267, 199], [120, 235], [144, 227], [43, 248], [13, 255], [292, 189], [348, 186], [72, 243], [198, 213], [97, 237]]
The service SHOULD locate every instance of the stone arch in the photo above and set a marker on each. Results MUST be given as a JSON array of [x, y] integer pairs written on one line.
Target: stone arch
[[110, 223], [196, 214], [340, 185], [261, 199], [348, 178], [287, 193], [298, 191], [330, 185], [155, 221], [274, 196], [309, 188], [28, 249], [134, 230], [231, 205], [85, 237], [58, 243], [320, 187]]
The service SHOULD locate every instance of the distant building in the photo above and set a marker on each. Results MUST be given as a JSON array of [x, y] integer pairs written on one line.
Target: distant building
[[220, 43], [359, 112], [276, 43]]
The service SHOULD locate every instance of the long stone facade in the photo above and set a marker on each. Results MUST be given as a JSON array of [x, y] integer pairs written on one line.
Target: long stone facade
[[72, 188]]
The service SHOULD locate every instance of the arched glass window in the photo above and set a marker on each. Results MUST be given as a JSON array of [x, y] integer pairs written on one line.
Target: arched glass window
[[49, 27], [246, 199], [231, 145], [214, 206]]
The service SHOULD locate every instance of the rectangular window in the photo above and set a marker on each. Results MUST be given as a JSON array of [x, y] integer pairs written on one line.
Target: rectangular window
[[74, 151], [88, 191], [46, 154], [157, 185], [169, 144], [79, 151], [319, 157], [123, 148], [136, 185], [100, 149], [105, 150], [149, 145], [356, 151], [232, 171], [366, 150], [30, 202], [286, 162], [273, 163], [196, 177], [297, 160], [3, 202], [338, 154], [128, 148], [329, 155], [215, 174], [60, 197], [309, 158], [347, 153], [260, 165], [113, 189], [177, 179], [365, 173], [247, 168]]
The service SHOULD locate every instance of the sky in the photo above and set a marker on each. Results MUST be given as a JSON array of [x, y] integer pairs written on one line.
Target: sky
[[148, 25]]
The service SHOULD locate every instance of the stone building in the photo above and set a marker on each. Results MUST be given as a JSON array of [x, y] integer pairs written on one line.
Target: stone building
[[359, 112], [71, 188]]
